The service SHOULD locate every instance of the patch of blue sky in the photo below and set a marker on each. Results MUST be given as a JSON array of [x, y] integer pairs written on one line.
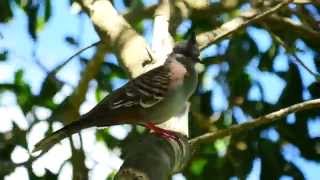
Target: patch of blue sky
[[111, 58], [52, 49], [209, 76], [119, 6], [150, 2], [254, 93], [16, 39], [223, 46], [211, 50], [256, 170], [314, 128], [148, 30], [307, 56], [314, 11], [15, 35], [310, 169], [239, 115], [51, 39], [272, 84], [270, 134], [291, 118], [245, 7], [7, 98], [261, 37], [117, 83], [214, 1], [286, 178], [295, 19], [281, 62], [184, 26], [219, 101], [306, 94]]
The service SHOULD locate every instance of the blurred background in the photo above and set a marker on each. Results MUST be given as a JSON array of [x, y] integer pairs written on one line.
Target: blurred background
[[246, 75]]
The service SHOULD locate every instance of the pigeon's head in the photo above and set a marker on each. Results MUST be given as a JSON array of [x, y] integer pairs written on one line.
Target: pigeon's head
[[188, 48]]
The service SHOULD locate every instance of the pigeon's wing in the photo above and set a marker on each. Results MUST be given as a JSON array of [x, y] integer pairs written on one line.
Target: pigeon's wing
[[145, 91]]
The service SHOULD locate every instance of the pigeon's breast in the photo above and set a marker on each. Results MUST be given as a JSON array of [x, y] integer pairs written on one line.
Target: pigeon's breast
[[177, 74]]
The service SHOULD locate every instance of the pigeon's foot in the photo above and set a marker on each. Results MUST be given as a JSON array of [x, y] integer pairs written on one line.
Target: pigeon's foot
[[167, 134]]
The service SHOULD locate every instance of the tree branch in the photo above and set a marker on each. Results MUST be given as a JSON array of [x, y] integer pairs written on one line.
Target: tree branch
[[262, 120], [291, 51], [153, 158], [286, 25], [207, 38], [115, 31]]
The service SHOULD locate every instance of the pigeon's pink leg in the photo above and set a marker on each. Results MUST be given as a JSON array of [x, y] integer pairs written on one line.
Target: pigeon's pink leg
[[167, 134]]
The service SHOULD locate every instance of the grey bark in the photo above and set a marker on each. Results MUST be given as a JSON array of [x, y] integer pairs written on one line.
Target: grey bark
[[152, 157]]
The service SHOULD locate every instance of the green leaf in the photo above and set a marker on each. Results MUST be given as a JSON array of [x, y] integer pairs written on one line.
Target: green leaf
[[19, 136], [47, 10], [198, 165], [103, 135], [4, 55], [32, 12], [23, 92], [99, 94], [6, 11], [50, 86], [18, 77]]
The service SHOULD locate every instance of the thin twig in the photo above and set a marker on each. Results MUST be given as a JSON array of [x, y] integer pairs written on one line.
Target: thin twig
[[74, 55], [262, 120], [316, 75], [291, 51]]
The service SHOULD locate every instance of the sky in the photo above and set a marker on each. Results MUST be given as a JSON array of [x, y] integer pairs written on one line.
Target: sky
[[52, 50]]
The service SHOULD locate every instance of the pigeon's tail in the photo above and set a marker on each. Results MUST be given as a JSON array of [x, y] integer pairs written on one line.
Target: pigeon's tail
[[46, 143]]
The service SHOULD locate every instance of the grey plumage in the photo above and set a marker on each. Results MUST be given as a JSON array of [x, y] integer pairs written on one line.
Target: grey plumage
[[153, 97]]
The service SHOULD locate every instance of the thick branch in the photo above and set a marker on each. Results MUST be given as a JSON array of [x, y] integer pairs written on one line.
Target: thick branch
[[266, 119], [154, 158], [116, 32]]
